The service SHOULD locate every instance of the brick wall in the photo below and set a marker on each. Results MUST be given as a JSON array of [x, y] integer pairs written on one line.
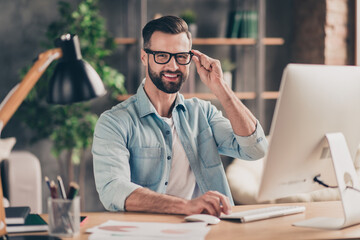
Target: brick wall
[[309, 32], [323, 32], [336, 32]]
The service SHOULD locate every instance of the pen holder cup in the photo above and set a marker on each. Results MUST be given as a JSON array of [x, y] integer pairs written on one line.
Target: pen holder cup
[[64, 217]]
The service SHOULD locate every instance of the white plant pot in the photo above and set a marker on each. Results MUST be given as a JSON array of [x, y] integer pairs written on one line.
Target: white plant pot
[[193, 30], [228, 78]]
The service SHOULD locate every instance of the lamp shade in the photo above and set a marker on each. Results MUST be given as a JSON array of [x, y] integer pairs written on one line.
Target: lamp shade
[[74, 79]]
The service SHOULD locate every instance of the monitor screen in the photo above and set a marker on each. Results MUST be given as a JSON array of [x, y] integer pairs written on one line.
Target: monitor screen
[[314, 100]]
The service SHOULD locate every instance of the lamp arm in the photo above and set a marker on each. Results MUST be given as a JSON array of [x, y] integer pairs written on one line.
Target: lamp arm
[[19, 93]]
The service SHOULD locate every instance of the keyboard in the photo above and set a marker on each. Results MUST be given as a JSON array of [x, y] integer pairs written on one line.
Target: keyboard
[[263, 213]]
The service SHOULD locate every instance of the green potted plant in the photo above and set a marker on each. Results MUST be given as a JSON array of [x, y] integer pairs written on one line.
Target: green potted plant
[[189, 17], [71, 127]]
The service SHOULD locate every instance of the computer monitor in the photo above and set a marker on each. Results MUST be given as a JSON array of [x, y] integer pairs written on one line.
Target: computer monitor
[[314, 100]]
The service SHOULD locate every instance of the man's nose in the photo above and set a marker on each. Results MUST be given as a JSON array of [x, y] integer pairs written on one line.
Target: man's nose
[[172, 64]]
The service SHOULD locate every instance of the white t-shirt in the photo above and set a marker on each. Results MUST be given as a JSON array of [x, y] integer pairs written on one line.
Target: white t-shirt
[[182, 182]]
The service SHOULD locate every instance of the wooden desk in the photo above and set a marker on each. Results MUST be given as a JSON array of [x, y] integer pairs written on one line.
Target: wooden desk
[[276, 228]]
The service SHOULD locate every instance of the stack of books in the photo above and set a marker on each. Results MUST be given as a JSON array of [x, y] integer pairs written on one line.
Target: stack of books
[[19, 219], [242, 24]]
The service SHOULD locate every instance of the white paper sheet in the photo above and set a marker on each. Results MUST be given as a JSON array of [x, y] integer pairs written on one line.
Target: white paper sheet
[[112, 230]]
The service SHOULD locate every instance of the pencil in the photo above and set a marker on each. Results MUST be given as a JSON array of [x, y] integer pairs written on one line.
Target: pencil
[[47, 182], [61, 187]]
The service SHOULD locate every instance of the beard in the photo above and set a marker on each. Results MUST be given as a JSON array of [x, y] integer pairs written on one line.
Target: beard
[[167, 87]]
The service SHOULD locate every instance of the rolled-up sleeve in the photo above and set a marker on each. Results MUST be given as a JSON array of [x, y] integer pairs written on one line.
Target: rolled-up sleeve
[[251, 147], [254, 145], [111, 164]]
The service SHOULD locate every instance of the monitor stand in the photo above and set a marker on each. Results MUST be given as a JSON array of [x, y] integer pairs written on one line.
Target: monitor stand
[[345, 176]]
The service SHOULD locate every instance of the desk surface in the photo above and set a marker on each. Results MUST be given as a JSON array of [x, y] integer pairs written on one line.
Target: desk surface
[[275, 228]]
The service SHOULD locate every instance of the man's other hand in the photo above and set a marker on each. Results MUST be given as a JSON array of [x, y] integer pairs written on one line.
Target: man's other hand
[[212, 202]]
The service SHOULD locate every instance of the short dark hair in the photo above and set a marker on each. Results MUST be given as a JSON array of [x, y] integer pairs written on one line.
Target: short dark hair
[[166, 24]]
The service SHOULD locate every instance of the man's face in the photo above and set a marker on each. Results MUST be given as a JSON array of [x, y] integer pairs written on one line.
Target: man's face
[[170, 76]]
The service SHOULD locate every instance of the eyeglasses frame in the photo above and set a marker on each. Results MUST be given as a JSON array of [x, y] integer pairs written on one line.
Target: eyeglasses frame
[[148, 51]]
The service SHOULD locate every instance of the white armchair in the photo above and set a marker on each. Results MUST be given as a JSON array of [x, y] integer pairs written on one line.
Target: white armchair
[[24, 181], [21, 177]]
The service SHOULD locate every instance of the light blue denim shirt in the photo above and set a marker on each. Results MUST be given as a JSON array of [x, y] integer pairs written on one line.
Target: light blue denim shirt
[[132, 147]]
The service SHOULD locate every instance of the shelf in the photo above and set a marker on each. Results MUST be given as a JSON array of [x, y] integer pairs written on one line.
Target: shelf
[[273, 41], [270, 95], [224, 41], [125, 41], [210, 96], [215, 41], [236, 41]]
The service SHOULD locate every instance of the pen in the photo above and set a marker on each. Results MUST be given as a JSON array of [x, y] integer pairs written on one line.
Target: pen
[[61, 187], [53, 189], [73, 191]]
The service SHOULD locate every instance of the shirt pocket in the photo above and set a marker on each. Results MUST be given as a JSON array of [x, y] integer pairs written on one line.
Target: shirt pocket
[[207, 149], [146, 165]]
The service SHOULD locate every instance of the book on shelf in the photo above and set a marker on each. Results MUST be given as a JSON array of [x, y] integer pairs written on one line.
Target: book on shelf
[[238, 24], [252, 24], [234, 21], [16, 215], [33, 223], [242, 24]]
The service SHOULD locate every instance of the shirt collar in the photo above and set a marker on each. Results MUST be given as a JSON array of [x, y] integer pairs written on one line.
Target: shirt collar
[[145, 106]]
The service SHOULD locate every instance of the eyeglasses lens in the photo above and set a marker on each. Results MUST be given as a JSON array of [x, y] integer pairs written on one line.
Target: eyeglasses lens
[[162, 57]]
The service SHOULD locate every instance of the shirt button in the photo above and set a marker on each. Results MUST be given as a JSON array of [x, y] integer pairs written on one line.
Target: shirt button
[[166, 183], [168, 158], [167, 132]]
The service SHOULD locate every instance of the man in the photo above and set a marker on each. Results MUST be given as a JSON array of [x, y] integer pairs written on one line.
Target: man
[[157, 152]]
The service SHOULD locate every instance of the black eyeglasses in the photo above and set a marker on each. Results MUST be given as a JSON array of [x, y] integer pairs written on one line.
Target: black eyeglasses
[[182, 58]]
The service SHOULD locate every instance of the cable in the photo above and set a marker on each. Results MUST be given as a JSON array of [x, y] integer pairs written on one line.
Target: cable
[[316, 179]]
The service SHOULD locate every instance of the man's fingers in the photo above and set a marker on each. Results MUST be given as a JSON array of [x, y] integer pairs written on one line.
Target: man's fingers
[[197, 62], [224, 201], [204, 60], [212, 202], [200, 68], [215, 202], [208, 209], [226, 205]]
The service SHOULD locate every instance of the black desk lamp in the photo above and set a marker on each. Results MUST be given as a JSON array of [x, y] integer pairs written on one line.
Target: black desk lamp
[[74, 80]]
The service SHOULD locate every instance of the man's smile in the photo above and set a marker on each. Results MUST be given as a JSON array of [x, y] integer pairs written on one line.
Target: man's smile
[[171, 76]]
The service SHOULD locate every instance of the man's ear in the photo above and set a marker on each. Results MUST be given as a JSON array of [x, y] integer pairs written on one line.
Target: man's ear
[[143, 57]]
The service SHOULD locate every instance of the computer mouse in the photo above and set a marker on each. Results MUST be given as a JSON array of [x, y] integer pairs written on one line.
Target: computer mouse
[[209, 219]]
